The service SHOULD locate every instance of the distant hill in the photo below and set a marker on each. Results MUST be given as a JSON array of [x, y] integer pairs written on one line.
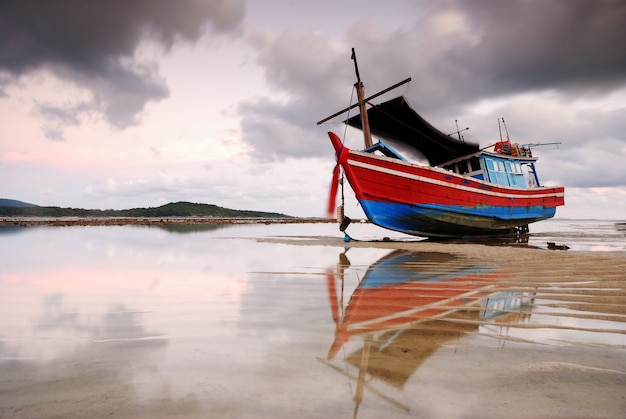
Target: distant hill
[[14, 203], [176, 209]]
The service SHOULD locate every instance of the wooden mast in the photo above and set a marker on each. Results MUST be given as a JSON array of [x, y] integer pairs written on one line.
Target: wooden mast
[[360, 94]]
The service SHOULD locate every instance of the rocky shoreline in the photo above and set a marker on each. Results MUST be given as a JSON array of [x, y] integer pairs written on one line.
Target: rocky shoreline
[[150, 221]]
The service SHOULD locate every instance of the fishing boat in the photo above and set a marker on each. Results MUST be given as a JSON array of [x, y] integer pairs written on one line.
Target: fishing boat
[[462, 190]]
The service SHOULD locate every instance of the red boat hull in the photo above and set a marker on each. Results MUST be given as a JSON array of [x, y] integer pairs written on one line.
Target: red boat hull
[[429, 201]]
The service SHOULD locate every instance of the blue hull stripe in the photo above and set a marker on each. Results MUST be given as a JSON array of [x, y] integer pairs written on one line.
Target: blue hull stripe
[[447, 220]]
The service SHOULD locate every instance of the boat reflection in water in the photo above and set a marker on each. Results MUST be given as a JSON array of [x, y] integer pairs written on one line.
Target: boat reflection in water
[[406, 307]]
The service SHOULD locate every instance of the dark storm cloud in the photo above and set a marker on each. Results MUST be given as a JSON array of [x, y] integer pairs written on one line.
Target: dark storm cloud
[[463, 51], [305, 67], [534, 44], [91, 43], [458, 53]]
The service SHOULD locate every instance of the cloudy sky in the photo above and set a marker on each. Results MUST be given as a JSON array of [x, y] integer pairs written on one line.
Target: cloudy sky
[[137, 103]]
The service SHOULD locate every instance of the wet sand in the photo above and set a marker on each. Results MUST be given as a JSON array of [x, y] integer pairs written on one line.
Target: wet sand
[[593, 281], [488, 373], [579, 379]]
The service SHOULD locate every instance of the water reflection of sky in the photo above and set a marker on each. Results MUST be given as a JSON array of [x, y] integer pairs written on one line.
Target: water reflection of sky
[[74, 276], [206, 316]]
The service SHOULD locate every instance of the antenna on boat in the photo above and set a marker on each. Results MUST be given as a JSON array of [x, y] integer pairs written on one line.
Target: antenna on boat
[[360, 94], [505, 130], [459, 131]]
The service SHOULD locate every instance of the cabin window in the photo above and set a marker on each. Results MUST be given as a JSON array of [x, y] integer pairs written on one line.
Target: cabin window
[[475, 163], [510, 172], [517, 176], [499, 173], [475, 169], [488, 165], [471, 167], [530, 177]]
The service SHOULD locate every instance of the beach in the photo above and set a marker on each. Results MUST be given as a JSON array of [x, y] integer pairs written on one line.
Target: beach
[[262, 321]]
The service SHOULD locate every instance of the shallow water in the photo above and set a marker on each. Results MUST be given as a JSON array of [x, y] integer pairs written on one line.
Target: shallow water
[[207, 321], [588, 235]]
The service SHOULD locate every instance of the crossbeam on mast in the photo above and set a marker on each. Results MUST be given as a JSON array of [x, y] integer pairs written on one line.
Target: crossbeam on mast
[[367, 99]]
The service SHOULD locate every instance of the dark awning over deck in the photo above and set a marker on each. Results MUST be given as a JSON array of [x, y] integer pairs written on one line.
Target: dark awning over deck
[[395, 120]]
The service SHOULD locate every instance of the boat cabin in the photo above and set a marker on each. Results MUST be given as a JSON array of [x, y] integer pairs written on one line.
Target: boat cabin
[[499, 168], [510, 165]]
